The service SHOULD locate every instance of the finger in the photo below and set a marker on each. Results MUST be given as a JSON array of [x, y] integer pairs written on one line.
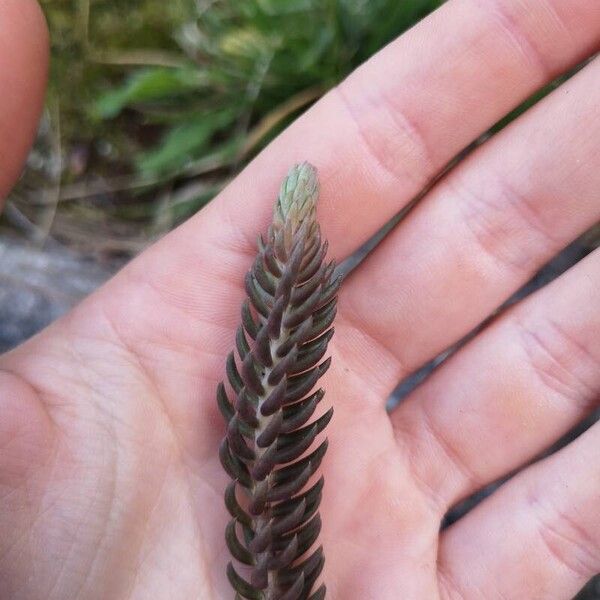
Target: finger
[[485, 230], [23, 72], [400, 118], [354, 183], [358, 193], [510, 393], [538, 536]]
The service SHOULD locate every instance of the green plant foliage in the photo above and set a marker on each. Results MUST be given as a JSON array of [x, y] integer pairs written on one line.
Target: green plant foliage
[[90, 38], [252, 66], [184, 142], [150, 85]]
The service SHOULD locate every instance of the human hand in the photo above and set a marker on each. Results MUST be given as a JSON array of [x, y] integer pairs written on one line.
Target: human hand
[[110, 482]]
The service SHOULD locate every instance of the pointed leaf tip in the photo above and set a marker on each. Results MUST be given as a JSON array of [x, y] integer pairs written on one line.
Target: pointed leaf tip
[[298, 195]]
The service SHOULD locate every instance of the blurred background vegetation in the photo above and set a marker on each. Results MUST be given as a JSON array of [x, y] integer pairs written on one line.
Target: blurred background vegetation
[[153, 106]]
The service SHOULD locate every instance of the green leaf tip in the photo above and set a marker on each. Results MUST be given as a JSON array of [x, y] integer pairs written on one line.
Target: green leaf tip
[[298, 196]]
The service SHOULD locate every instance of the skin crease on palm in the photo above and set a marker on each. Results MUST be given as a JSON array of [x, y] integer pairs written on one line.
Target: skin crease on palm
[[110, 486]]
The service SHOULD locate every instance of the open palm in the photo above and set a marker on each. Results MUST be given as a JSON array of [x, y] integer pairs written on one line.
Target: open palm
[[110, 485]]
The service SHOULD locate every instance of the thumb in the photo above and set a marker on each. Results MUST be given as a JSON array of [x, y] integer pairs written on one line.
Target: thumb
[[26, 434], [23, 76]]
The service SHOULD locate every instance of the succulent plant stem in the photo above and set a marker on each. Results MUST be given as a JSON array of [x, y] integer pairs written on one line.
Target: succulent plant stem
[[288, 316]]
